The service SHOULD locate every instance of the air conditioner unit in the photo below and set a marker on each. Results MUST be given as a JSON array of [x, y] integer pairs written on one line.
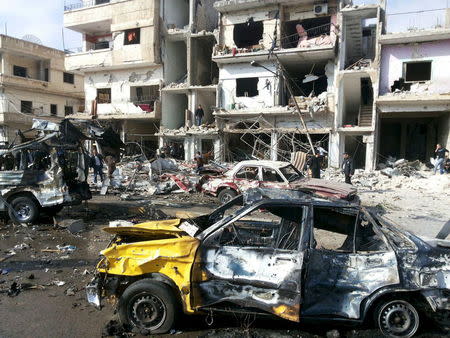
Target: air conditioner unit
[[321, 9]]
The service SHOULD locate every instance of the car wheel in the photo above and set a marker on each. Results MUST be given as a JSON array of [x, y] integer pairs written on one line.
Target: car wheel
[[26, 210], [52, 211], [148, 305], [226, 195], [397, 318]]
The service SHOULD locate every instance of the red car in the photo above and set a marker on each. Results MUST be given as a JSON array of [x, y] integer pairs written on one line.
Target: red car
[[271, 174]]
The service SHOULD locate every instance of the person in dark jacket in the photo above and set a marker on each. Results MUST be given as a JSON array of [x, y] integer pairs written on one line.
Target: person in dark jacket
[[347, 168], [199, 113], [314, 163], [97, 164]]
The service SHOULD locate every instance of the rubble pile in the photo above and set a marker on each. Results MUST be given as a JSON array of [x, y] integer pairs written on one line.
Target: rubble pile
[[141, 177], [395, 174]]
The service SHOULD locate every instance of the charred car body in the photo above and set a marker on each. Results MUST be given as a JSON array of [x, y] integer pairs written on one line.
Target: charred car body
[[45, 173], [296, 257], [269, 174]]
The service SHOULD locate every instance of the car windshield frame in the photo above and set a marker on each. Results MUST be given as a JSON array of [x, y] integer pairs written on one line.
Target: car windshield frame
[[291, 177]]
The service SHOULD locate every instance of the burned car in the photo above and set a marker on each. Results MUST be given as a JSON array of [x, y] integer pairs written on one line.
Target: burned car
[[270, 174], [289, 255], [45, 173]]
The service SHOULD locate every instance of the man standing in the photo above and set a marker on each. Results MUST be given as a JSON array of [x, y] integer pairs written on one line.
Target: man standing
[[97, 164], [314, 163], [440, 153], [199, 162], [199, 113], [347, 168]]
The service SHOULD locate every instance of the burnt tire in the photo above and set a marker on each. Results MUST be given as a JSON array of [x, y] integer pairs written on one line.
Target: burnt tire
[[226, 195], [25, 210], [397, 318], [148, 306]]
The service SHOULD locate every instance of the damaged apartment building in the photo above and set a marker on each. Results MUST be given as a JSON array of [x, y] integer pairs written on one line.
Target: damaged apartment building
[[34, 83], [133, 54], [276, 55], [414, 92]]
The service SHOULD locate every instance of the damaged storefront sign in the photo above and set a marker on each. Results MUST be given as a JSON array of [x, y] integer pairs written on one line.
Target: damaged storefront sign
[[295, 256]]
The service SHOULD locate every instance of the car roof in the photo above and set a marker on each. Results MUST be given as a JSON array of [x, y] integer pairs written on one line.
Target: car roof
[[276, 164]]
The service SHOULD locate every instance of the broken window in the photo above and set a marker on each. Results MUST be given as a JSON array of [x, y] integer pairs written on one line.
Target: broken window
[[334, 229], [247, 87], [248, 34], [132, 36], [46, 77], [417, 71], [271, 175], [68, 78], [366, 239], [104, 95], [101, 45], [53, 109], [248, 173], [277, 227], [68, 110], [26, 107], [19, 71]]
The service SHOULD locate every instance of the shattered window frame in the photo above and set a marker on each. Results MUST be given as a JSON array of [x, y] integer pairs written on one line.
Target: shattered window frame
[[277, 174], [212, 236], [351, 212], [244, 169]]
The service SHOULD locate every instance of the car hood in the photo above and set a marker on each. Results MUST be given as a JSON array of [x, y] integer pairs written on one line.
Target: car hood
[[324, 188], [148, 248], [169, 227]]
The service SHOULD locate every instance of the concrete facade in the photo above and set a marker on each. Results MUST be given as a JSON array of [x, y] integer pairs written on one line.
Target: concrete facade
[[414, 94], [35, 74], [121, 60]]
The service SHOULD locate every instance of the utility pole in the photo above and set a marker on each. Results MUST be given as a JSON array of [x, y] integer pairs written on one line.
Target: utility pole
[[291, 93]]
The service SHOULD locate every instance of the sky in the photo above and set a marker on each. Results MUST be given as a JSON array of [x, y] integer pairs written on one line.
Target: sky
[[44, 18]]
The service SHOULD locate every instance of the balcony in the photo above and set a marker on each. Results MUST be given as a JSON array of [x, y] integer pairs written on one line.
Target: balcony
[[128, 111], [72, 5], [92, 60]]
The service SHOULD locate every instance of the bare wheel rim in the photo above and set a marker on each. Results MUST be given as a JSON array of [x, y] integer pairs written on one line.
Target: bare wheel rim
[[399, 319], [226, 198], [148, 311], [23, 211]]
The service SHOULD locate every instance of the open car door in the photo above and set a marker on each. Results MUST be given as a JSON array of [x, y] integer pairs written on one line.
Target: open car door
[[253, 263]]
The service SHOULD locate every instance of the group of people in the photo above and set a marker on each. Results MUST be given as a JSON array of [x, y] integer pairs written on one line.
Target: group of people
[[97, 163], [315, 163]]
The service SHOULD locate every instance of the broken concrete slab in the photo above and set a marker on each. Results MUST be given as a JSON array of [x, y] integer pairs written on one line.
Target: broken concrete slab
[[74, 226]]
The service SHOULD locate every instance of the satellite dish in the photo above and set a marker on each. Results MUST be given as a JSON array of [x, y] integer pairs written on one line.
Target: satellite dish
[[32, 38]]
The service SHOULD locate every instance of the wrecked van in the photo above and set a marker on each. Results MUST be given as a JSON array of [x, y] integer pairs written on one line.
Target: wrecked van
[[43, 174], [295, 257]]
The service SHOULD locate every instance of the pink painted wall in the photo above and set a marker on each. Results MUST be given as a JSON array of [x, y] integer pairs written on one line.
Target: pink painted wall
[[393, 56]]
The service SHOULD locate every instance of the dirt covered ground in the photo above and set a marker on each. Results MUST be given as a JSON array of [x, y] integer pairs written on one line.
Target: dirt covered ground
[[49, 297]]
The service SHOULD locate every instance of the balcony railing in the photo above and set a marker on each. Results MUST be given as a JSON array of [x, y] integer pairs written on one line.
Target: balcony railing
[[97, 46], [310, 37], [415, 20], [71, 5]]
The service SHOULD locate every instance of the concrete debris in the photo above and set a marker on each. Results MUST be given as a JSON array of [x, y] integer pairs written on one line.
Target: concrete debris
[[74, 226], [120, 223]]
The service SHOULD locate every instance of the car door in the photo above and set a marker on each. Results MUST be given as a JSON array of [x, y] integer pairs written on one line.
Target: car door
[[271, 178], [253, 261], [247, 177], [348, 260]]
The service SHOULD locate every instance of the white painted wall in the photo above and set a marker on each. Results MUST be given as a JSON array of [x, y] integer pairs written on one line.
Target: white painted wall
[[119, 81], [393, 56], [266, 96]]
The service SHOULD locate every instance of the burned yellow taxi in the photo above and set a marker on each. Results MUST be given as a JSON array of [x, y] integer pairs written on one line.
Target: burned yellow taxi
[[294, 257]]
